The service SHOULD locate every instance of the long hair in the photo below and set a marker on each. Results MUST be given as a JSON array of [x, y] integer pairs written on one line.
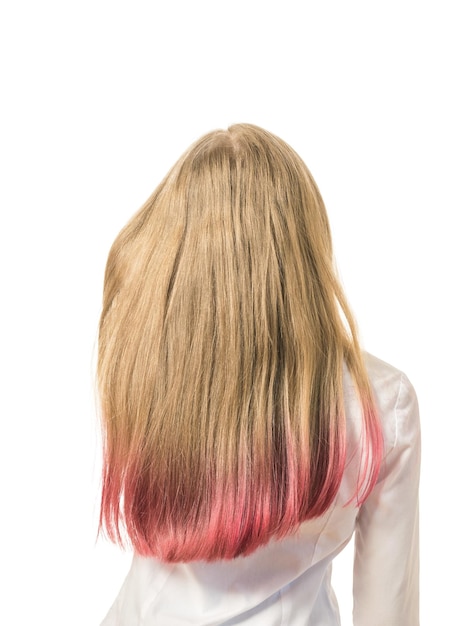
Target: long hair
[[222, 342]]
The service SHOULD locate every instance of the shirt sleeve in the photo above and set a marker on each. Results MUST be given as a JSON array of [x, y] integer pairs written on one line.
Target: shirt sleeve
[[386, 563]]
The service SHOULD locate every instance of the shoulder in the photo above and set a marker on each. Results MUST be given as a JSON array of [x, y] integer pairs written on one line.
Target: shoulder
[[396, 401], [381, 373]]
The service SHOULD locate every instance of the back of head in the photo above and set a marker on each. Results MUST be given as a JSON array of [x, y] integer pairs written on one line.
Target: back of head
[[222, 342]]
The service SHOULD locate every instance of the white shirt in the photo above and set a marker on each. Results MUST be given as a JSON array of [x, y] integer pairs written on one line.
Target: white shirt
[[287, 582]]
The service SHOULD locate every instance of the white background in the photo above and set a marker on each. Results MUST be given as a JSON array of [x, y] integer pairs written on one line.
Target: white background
[[98, 100]]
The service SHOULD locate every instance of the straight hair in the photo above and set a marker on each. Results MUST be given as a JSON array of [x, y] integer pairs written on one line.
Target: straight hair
[[222, 341]]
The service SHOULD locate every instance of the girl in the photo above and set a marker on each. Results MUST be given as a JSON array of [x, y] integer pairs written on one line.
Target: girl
[[246, 436]]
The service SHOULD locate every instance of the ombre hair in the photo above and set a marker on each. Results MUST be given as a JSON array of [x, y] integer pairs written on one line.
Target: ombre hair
[[222, 342]]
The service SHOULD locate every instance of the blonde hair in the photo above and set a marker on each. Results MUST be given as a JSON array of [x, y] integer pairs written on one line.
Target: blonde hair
[[222, 341]]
